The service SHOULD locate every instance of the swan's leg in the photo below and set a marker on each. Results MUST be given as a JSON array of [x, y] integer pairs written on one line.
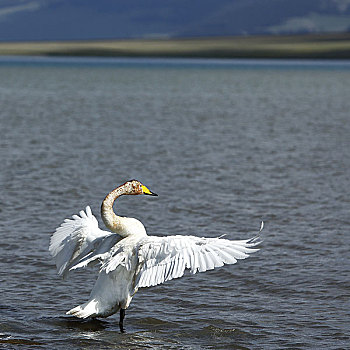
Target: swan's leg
[[121, 320]]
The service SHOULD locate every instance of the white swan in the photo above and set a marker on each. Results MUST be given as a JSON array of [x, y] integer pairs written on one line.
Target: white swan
[[129, 258]]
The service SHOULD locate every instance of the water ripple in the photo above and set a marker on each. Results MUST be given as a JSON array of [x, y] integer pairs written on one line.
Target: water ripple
[[224, 149]]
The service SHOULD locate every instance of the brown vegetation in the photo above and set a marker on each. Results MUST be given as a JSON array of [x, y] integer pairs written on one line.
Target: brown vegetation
[[298, 46]]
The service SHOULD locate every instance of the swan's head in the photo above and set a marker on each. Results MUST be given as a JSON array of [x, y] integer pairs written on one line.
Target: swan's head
[[136, 187]]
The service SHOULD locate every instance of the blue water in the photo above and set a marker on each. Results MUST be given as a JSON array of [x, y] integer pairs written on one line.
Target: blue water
[[176, 62], [224, 144]]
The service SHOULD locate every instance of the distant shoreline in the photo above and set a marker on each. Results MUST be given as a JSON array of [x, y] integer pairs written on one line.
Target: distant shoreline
[[311, 46]]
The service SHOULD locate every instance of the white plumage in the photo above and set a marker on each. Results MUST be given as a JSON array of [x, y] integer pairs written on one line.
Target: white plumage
[[129, 259]]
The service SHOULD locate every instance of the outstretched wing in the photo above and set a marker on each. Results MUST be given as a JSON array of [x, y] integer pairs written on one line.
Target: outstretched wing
[[78, 239], [164, 258]]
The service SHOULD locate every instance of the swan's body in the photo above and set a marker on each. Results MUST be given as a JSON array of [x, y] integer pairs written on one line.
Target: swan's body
[[129, 258]]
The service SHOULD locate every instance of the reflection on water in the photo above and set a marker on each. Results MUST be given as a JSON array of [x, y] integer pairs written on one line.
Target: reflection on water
[[89, 325], [224, 144]]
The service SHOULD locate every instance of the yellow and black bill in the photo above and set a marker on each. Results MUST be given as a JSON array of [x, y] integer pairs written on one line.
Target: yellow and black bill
[[146, 191]]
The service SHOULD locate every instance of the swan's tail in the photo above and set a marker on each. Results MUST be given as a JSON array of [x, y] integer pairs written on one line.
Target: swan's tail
[[88, 309]]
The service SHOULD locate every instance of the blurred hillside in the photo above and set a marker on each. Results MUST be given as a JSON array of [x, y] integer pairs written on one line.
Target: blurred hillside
[[27, 20], [329, 46]]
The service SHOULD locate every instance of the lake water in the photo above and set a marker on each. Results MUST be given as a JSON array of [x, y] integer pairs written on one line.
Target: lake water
[[224, 144]]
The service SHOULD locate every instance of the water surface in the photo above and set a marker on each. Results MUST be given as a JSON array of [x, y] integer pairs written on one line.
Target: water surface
[[224, 144]]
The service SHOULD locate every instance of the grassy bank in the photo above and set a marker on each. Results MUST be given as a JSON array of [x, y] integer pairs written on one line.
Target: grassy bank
[[299, 46]]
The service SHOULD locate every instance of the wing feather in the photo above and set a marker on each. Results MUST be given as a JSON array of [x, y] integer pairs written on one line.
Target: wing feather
[[215, 257], [202, 263], [209, 263], [75, 242], [161, 259]]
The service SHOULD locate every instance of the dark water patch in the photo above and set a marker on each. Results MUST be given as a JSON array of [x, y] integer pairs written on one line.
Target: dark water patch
[[231, 337], [149, 322], [73, 323], [13, 341]]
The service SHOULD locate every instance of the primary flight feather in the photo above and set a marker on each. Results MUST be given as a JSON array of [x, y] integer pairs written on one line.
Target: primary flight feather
[[130, 259]]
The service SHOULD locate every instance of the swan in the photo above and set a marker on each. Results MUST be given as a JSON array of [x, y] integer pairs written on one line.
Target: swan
[[130, 259]]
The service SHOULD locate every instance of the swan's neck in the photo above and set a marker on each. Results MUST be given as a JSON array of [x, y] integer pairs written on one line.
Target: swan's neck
[[110, 219], [124, 226]]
